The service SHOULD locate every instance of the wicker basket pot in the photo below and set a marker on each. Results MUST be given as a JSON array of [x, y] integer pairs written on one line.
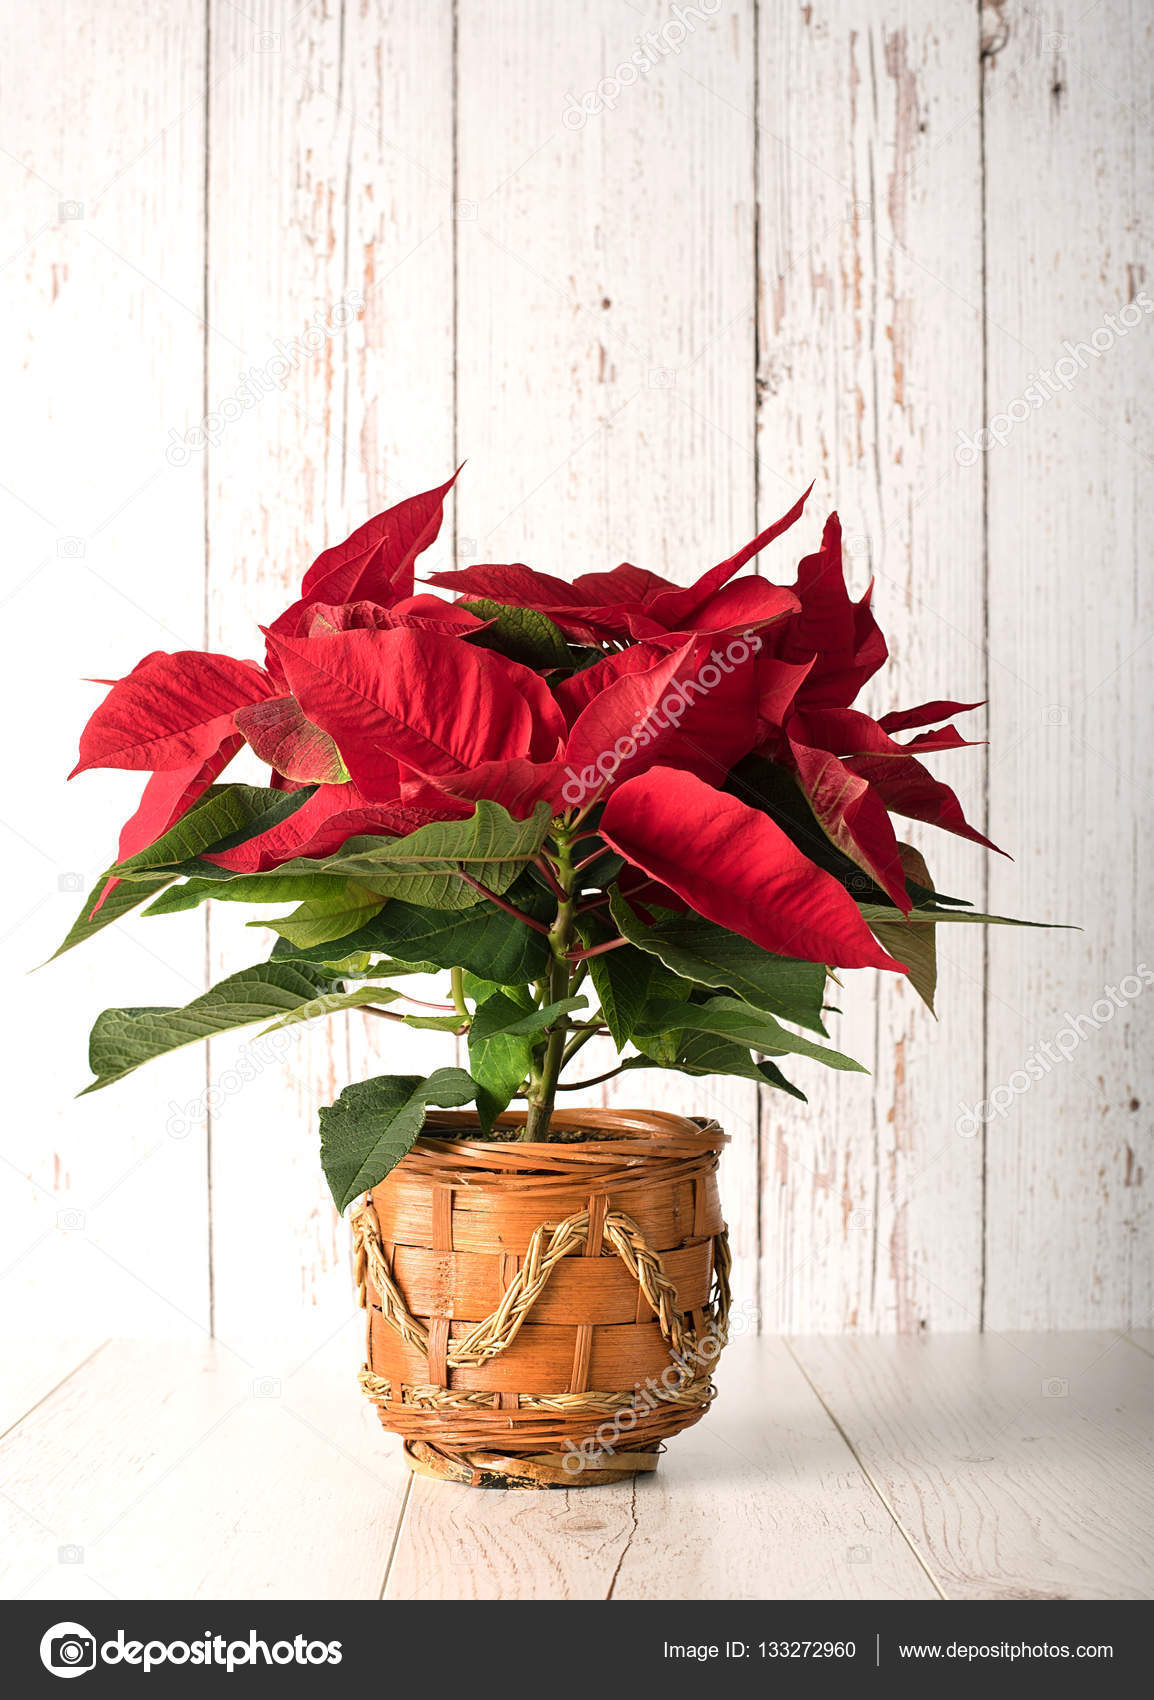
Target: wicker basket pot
[[545, 1315]]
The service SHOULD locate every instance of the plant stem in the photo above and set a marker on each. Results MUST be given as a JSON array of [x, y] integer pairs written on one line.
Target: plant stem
[[583, 1037], [546, 1068], [457, 981], [509, 908], [576, 1085], [597, 950]]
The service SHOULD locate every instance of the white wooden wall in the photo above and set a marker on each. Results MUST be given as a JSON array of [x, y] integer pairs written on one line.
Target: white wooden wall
[[813, 241]]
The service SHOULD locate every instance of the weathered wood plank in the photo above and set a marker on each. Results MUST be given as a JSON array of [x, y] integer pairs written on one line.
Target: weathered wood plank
[[165, 1471], [870, 266], [1072, 669], [761, 1500], [101, 291], [34, 1367], [1019, 1466]]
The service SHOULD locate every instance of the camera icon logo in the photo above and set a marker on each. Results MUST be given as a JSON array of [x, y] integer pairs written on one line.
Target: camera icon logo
[[662, 378], [68, 1649], [70, 548]]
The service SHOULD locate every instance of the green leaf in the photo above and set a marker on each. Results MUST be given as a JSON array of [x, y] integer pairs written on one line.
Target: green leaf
[[422, 867], [520, 633], [930, 916], [730, 1018], [323, 920], [706, 1053], [622, 978], [272, 887], [434, 1023], [123, 1039], [224, 817], [375, 1122], [477, 987], [329, 1002], [358, 965], [484, 939], [916, 947], [501, 1049], [220, 810], [709, 955], [126, 896]]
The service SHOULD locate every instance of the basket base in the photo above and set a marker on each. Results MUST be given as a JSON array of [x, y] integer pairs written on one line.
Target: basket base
[[543, 1470]]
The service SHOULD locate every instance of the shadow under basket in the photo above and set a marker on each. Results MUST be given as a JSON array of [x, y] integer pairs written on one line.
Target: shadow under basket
[[545, 1314]]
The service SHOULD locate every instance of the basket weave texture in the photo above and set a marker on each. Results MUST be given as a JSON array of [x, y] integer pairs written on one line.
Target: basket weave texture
[[545, 1314]]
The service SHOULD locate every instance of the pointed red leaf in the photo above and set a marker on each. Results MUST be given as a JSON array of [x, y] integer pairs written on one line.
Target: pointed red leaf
[[623, 584], [430, 702], [849, 732], [575, 693], [924, 715], [374, 565], [907, 788], [676, 609], [842, 635], [746, 604], [695, 708], [853, 817], [733, 865], [778, 683], [377, 560], [165, 714]]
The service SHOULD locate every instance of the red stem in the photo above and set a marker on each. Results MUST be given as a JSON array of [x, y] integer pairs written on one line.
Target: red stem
[[509, 908], [596, 950], [540, 863], [592, 903]]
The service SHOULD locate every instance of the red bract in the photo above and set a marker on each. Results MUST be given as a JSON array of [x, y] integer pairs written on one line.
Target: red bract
[[399, 708], [733, 865], [433, 703], [171, 711]]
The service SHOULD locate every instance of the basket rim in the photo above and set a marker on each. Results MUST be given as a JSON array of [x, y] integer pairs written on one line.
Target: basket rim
[[632, 1146]]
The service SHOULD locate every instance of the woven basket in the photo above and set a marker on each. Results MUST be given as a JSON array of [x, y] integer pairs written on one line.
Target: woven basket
[[545, 1315]]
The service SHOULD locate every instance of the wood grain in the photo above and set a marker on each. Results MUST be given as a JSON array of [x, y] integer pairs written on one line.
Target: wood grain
[[206, 1475], [1018, 1465], [1072, 669], [870, 268]]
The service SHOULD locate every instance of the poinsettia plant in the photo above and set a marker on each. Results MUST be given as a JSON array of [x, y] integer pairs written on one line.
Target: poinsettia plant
[[616, 809]]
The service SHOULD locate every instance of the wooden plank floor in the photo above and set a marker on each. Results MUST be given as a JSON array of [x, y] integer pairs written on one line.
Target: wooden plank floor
[[963, 1467]]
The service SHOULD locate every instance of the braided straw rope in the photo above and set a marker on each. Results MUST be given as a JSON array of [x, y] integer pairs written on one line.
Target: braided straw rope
[[549, 1244]]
